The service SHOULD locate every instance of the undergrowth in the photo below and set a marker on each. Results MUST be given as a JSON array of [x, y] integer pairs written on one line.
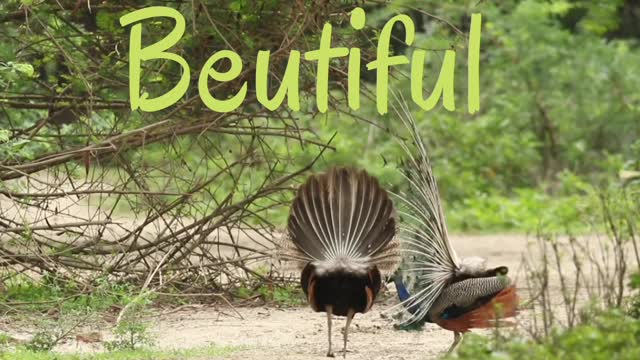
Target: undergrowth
[[26, 294], [199, 353], [609, 335], [608, 327], [561, 207], [285, 295]]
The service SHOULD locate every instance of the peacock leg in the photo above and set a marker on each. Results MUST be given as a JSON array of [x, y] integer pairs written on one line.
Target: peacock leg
[[457, 336], [329, 315], [350, 315]]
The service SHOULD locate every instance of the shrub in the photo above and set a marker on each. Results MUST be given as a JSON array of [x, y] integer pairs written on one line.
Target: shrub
[[609, 335]]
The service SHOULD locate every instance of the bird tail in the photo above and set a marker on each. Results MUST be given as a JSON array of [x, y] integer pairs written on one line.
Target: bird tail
[[489, 315], [343, 219], [403, 294], [430, 261]]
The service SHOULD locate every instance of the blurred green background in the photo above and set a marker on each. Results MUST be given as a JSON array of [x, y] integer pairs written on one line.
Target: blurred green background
[[558, 118]]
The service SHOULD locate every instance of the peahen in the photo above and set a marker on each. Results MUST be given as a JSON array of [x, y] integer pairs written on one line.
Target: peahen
[[434, 285], [341, 231]]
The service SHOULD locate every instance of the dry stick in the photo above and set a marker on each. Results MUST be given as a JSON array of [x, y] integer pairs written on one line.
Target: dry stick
[[220, 296], [578, 266], [544, 284], [168, 208], [23, 96], [10, 194], [143, 291], [54, 226], [619, 259], [121, 144], [35, 166], [630, 222], [150, 199], [563, 284], [529, 279], [112, 145], [204, 234], [35, 106], [239, 205]]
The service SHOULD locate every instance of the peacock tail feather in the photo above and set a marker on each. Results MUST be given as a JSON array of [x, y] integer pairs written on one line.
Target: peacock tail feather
[[433, 283]]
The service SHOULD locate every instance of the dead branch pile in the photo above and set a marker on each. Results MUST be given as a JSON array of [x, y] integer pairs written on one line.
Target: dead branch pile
[[90, 189]]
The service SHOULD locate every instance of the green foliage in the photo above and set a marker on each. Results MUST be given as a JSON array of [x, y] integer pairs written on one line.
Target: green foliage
[[558, 112], [633, 302], [130, 334], [285, 295], [66, 295], [5, 339], [17, 68], [201, 353], [528, 210], [49, 333], [289, 295], [68, 298], [610, 335], [42, 341], [558, 120], [568, 210], [558, 95]]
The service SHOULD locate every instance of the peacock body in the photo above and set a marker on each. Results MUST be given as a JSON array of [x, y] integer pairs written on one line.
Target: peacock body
[[341, 231]]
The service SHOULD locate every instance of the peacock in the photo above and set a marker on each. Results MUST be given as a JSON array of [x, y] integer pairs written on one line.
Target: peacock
[[435, 285], [342, 232]]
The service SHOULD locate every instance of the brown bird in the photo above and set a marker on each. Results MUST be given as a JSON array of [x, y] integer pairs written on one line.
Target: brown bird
[[341, 230]]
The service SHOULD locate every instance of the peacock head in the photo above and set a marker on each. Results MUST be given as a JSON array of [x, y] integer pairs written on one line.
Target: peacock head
[[501, 273]]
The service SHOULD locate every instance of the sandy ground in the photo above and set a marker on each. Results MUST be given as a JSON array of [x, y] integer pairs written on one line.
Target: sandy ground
[[268, 333], [271, 333], [299, 333]]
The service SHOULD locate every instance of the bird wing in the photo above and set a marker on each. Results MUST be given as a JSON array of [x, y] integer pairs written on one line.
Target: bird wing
[[429, 260]]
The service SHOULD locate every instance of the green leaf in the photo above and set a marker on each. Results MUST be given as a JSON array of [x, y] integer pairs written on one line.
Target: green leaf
[[24, 68], [635, 281], [560, 7]]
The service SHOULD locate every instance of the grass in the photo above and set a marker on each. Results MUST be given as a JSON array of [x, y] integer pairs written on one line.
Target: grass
[[28, 294], [283, 295], [526, 211], [27, 299], [198, 353], [286, 296], [609, 335]]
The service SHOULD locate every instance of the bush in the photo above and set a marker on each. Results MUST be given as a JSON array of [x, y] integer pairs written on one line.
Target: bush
[[610, 335], [42, 341], [633, 302]]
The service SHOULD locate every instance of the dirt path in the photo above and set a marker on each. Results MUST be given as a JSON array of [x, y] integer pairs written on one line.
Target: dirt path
[[299, 333], [271, 333], [268, 333]]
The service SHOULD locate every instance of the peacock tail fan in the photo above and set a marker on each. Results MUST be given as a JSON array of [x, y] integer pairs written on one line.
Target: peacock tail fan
[[429, 262], [343, 219]]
